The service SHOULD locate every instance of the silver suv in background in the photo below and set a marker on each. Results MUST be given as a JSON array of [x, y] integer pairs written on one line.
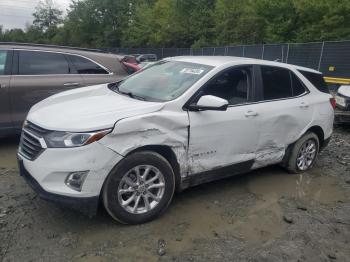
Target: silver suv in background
[[31, 73]]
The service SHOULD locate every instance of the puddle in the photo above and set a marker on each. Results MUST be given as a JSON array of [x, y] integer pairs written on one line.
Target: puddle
[[220, 210], [8, 151], [306, 188]]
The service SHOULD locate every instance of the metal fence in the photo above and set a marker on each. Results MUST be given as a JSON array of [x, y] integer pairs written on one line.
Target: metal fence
[[331, 58]]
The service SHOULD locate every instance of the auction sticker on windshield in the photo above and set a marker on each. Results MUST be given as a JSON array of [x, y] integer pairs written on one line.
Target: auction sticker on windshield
[[193, 71]]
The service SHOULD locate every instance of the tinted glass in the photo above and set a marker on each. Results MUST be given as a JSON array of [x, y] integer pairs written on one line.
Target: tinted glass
[[298, 87], [163, 81], [232, 85], [85, 66], [42, 63], [317, 80], [276, 83], [3, 56]]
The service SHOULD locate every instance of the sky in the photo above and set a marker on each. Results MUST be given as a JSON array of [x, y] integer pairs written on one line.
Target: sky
[[18, 13]]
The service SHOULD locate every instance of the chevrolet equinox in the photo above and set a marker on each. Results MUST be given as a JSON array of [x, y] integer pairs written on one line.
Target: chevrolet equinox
[[181, 122]]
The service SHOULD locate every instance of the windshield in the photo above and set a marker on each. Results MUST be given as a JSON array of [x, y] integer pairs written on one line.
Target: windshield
[[163, 81]]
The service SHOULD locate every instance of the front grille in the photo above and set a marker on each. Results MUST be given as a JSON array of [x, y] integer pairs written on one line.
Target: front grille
[[30, 146], [37, 130]]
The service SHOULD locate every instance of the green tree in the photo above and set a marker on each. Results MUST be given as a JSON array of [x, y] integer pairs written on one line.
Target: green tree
[[321, 20], [47, 15]]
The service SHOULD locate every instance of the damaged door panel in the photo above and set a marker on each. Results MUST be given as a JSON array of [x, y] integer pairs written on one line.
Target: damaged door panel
[[285, 113], [219, 139]]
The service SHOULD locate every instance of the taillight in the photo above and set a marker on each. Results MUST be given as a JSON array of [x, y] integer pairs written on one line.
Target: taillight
[[333, 102]]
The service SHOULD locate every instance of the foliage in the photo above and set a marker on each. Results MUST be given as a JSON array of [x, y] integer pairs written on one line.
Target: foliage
[[47, 15], [185, 23]]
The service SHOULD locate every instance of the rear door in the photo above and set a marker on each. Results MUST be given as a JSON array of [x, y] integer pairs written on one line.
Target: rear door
[[38, 75], [5, 75], [91, 72], [284, 113]]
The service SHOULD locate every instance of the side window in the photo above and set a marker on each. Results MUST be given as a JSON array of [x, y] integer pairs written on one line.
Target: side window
[[42, 63], [317, 80], [298, 86], [85, 66], [3, 56], [234, 85], [276, 82]]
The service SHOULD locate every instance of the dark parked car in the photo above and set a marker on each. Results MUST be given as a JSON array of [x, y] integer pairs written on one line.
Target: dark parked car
[[342, 114], [30, 73]]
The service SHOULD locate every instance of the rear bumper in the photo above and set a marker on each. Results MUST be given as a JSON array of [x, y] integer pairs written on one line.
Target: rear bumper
[[85, 205]]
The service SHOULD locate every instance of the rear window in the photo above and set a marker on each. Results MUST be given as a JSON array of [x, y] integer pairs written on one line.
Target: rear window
[[277, 83], [86, 67], [298, 86], [317, 80]]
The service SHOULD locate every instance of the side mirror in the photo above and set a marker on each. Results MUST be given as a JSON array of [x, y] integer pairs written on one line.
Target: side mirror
[[210, 102]]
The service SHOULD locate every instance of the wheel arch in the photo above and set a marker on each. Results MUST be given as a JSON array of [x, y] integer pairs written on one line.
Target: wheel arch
[[168, 153], [319, 132], [315, 129]]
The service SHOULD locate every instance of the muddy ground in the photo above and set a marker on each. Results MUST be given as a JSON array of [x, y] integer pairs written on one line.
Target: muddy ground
[[266, 215]]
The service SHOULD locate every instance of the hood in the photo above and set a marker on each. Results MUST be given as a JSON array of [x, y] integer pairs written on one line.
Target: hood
[[344, 90], [87, 109]]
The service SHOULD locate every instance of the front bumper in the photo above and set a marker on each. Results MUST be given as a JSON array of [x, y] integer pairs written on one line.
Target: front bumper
[[86, 205], [48, 172]]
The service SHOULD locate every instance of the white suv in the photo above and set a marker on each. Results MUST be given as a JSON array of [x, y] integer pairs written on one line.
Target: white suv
[[181, 122]]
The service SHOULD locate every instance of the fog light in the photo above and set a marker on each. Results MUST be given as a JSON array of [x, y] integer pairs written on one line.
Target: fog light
[[75, 180]]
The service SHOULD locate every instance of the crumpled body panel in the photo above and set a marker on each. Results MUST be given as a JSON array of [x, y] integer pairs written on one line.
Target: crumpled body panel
[[165, 128]]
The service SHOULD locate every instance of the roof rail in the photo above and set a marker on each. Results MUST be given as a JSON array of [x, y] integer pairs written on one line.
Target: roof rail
[[54, 46]]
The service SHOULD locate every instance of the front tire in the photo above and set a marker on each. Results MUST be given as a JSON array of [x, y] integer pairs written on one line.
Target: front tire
[[303, 154], [139, 188]]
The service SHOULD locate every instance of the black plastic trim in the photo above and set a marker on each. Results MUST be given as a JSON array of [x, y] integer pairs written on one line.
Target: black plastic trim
[[216, 174]]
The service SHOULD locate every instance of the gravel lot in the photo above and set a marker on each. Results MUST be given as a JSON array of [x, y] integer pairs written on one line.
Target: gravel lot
[[266, 215]]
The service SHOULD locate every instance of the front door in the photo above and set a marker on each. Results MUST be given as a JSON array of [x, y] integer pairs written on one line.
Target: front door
[[221, 139], [5, 111]]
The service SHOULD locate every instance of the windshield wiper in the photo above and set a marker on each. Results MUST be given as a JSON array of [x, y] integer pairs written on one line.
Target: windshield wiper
[[115, 87], [129, 94]]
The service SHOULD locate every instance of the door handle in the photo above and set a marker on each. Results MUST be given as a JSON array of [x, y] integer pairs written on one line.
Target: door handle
[[250, 113], [304, 105], [71, 84]]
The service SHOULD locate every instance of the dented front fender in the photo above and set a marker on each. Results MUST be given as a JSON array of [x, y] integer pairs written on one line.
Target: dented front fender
[[165, 128]]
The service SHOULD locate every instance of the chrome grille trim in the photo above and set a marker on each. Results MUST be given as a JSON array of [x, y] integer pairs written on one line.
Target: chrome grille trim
[[32, 143], [34, 129]]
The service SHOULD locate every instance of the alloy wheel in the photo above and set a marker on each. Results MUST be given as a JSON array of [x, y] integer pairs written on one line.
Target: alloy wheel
[[141, 189], [307, 155]]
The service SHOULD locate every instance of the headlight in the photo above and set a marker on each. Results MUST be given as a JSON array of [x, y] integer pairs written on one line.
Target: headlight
[[68, 139]]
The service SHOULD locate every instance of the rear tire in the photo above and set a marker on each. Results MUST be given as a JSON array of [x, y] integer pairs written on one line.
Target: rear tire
[[139, 188], [303, 154]]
